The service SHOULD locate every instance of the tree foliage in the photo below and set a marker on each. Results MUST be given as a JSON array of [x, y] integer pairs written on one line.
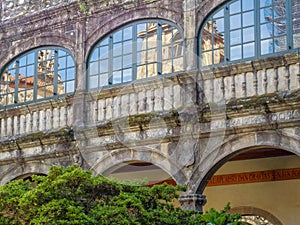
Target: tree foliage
[[73, 196]]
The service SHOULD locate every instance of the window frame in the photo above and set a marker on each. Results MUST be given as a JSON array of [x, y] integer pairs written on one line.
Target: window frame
[[135, 63], [17, 101], [289, 45]]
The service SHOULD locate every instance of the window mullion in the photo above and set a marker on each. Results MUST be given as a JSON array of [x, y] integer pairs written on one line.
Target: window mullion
[[226, 34], [257, 40], [159, 48], [56, 72], [134, 51], [289, 25], [110, 60], [16, 95], [35, 75]]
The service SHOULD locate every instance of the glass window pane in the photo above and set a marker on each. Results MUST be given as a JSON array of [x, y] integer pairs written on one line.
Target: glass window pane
[[62, 74], [279, 27], [127, 75], [219, 25], [219, 41], [70, 61], [104, 79], [296, 38], [141, 29], [62, 62], [247, 5], [280, 43], [248, 50], [206, 58], [152, 55], [117, 49], [152, 69], [117, 37], [266, 15], [248, 18], [41, 92], [167, 66], [235, 7], [22, 71], [207, 30], [178, 64], [218, 56], [235, 37], [235, 52], [141, 57], [103, 66], [127, 61], [117, 77], [127, 33], [117, 63], [141, 72], [266, 30], [165, 52], [30, 70], [127, 47], [248, 34], [70, 86], [235, 21], [206, 43], [219, 14], [61, 53], [264, 3], [104, 42], [22, 61], [266, 46], [104, 52], [30, 58], [94, 68], [93, 82], [70, 73]]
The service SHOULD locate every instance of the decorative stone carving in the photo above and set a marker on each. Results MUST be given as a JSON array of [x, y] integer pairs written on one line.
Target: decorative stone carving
[[77, 159]]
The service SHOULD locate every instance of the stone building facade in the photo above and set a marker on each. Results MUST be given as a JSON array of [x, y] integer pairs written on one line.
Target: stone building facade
[[217, 108]]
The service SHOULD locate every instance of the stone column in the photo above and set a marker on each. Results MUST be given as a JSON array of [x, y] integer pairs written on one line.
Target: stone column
[[193, 202], [190, 34]]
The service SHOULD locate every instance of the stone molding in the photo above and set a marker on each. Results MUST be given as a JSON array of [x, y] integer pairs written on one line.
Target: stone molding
[[192, 202]]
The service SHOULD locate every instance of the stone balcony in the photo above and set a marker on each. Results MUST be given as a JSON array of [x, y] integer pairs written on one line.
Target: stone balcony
[[220, 90]]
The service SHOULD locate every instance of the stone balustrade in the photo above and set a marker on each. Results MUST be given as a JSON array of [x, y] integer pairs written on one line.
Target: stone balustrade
[[163, 94], [253, 78], [34, 118]]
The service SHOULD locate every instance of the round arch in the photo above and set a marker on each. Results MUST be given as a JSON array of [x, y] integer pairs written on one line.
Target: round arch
[[27, 168], [111, 161], [234, 146], [249, 210], [47, 39], [127, 17], [205, 9]]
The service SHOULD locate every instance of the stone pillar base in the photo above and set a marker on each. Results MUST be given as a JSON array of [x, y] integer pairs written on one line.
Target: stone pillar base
[[193, 202]]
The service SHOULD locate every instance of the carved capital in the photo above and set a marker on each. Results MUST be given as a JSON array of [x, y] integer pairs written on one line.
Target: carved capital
[[192, 202]]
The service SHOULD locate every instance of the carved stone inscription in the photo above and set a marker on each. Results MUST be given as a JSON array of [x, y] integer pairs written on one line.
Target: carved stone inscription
[[254, 177]]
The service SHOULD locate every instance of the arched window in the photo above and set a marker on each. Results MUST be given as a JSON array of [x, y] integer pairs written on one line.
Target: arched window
[[249, 29], [139, 50], [38, 74]]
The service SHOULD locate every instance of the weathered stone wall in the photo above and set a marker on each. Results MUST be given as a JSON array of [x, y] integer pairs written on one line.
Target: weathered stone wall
[[16, 8], [187, 124]]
